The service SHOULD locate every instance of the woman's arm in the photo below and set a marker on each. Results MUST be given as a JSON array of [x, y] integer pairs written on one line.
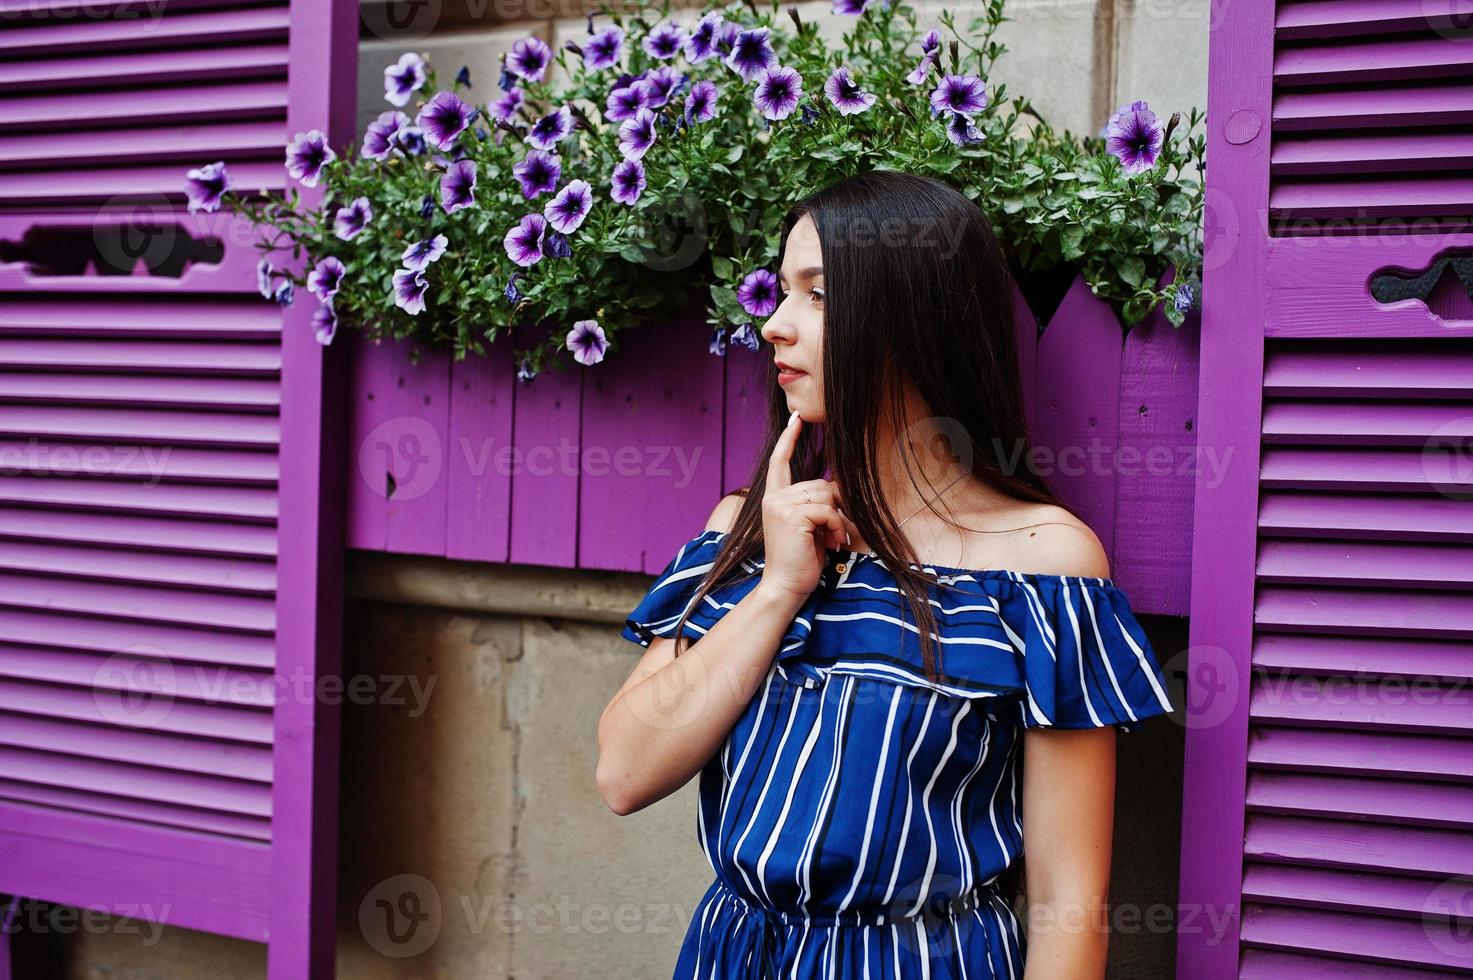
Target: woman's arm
[[1068, 817]]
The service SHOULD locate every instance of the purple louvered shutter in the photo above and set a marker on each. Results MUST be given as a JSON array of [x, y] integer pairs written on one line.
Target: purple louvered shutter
[[170, 482], [1328, 808]]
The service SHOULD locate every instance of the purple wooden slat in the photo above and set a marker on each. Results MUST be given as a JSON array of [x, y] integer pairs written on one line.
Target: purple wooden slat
[[138, 782], [1260, 964], [1345, 891], [154, 106], [136, 638], [217, 611], [166, 815], [1369, 564], [1346, 18], [187, 141], [144, 392], [128, 566], [1309, 750], [1294, 701], [478, 456], [117, 186], [121, 672], [1421, 196], [1151, 560], [305, 760], [61, 459], [224, 64], [1413, 469], [155, 749], [1366, 612], [746, 414], [105, 708], [548, 417], [174, 317], [124, 530], [1218, 673], [1347, 844], [238, 503], [1376, 61], [1381, 800], [1346, 422], [196, 29], [1026, 338], [1407, 105], [1389, 516], [1321, 654], [397, 450], [143, 356], [683, 439], [143, 425], [216, 885], [1377, 940], [1078, 407], [1403, 153]]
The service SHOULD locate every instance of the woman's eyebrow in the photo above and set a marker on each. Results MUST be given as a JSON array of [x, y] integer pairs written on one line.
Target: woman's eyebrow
[[809, 273]]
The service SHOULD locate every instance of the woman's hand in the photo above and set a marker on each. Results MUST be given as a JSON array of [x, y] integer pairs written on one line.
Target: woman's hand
[[800, 522]]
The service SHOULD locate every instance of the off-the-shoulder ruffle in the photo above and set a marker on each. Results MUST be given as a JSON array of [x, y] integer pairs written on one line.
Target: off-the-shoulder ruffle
[[1057, 651]]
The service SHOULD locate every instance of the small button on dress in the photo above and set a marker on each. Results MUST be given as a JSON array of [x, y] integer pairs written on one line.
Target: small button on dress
[[860, 815]]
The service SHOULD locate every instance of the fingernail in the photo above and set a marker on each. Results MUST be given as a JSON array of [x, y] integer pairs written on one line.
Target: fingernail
[[793, 418]]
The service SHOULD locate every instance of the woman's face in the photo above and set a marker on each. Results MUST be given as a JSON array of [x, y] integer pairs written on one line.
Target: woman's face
[[795, 328]]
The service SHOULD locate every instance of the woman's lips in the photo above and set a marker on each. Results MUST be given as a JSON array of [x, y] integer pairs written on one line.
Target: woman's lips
[[787, 375]]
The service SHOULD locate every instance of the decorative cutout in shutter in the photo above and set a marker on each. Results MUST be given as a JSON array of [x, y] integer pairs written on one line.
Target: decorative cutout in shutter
[[1328, 799], [170, 487]]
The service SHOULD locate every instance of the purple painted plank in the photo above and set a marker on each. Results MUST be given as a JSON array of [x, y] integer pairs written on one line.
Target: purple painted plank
[[163, 357], [1078, 407], [1389, 516], [1416, 469], [171, 317], [1152, 559], [118, 186], [138, 673], [1365, 563], [1363, 423], [1396, 941], [217, 394], [548, 420], [1347, 844], [1026, 334], [1373, 108], [100, 708], [1390, 152], [1377, 61], [154, 106], [1346, 891], [480, 456], [183, 65], [1260, 964], [1355, 798], [191, 30], [1326, 654], [1372, 754], [746, 414], [136, 531], [188, 141], [139, 782], [1365, 612], [166, 816], [184, 571], [1426, 708]]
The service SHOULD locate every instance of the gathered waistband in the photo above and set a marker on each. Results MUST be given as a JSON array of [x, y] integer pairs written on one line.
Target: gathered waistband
[[965, 902]]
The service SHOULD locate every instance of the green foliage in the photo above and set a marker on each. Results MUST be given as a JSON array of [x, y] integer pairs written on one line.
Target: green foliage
[[717, 190]]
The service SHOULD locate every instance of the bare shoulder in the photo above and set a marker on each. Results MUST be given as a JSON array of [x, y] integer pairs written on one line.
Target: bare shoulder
[[724, 515], [1052, 541]]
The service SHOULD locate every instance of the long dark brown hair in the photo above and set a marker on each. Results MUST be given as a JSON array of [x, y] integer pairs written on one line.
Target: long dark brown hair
[[916, 286]]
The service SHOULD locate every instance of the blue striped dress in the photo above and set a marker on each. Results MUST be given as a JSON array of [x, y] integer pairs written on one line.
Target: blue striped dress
[[859, 815]]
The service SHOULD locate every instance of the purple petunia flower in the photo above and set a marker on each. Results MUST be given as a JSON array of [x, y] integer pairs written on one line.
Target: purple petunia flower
[[751, 53], [603, 49], [426, 207], [637, 134], [851, 8], [778, 91], [700, 104], [810, 114], [410, 141], [378, 138], [410, 287], [551, 129], [264, 274], [443, 118], [845, 93], [325, 278], [746, 335], [960, 130], [285, 292], [351, 220], [664, 42], [555, 245], [701, 43], [717, 343], [959, 93], [566, 211], [758, 292], [403, 79], [325, 323], [919, 72], [525, 371], [538, 172], [625, 100], [463, 77], [506, 106], [931, 43], [511, 292], [1184, 297], [1134, 135], [458, 186], [587, 342], [628, 182], [206, 186], [529, 58], [524, 242], [307, 154], [661, 83], [418, 256]]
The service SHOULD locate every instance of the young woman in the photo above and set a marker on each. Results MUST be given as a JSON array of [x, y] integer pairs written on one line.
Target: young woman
[[881, 650]]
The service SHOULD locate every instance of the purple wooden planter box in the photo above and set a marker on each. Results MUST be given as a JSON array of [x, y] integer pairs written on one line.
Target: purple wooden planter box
[[614, 466]]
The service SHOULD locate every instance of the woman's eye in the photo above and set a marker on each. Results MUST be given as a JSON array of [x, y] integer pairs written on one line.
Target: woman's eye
[[817, 295]]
